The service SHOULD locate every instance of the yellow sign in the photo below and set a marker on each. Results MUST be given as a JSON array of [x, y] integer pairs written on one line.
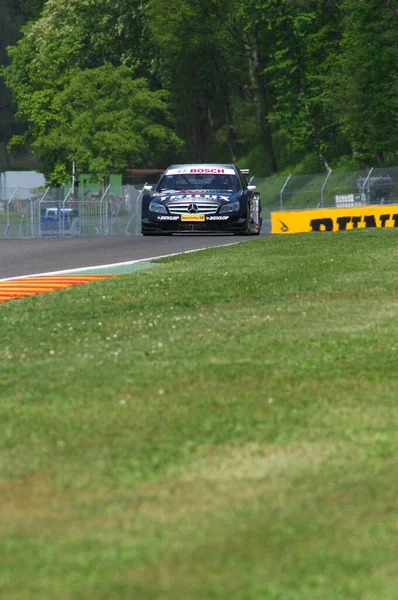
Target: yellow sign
[[193, 217], [334, 219]]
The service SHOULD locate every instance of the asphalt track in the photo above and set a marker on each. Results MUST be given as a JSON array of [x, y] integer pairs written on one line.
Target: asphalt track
[[19, 257]]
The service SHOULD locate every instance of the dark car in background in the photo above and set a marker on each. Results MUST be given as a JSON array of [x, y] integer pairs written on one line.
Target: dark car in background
[[201, 198]]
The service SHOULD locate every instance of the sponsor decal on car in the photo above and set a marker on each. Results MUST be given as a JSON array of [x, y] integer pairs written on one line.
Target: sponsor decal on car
[[193, 217], [201, 169], [192, 197], [207, 170], [198, 191], [195, 197], [218, 218], [167, 218], [334, 219]]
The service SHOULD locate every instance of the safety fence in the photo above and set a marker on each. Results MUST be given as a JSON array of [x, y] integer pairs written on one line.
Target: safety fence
[[327, 190], [117, 210], [58, 212]]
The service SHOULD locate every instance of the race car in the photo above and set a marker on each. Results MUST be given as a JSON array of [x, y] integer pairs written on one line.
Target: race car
[[201, 198]]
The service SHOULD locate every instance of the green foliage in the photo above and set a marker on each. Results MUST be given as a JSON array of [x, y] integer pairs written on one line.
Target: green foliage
[[345, 163], [77, 106], [101, 117], [315, 79], [104, 120], [308, 163], [203, 72], [363, 86], [256, 160]]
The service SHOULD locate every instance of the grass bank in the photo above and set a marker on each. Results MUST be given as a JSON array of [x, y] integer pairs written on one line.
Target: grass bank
[[221, 427]]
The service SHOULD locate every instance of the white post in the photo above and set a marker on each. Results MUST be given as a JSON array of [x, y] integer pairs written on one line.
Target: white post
[[3, 186], [283, 189], [8, 225], [323, 186], [364, 185], [104, 209]]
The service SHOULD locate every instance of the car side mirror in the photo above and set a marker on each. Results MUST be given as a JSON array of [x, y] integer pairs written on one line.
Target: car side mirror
[[148, 188], [251, 188]]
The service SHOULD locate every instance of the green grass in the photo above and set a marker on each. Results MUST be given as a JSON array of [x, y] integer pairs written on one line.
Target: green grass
[[220, 427]]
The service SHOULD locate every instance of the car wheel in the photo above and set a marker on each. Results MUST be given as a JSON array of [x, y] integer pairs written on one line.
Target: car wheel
[[248, 227]]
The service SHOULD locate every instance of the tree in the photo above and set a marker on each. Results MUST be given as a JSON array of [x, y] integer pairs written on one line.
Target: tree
[[76, 104], [205, 73], [102, 119], [298, 77], [363, 83], [13, 14], [292, 41]]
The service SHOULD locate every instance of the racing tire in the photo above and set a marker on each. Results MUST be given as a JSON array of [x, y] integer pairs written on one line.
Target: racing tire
[[247, 229]]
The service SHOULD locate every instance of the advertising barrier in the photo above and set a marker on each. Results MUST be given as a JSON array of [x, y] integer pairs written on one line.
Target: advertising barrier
[[334, 219]]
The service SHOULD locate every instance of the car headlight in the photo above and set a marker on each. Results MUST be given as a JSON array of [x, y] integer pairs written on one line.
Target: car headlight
[[157, 208], [230, 208]]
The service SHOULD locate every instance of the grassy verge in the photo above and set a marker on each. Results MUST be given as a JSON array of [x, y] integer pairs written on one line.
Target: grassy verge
[[220, 427]]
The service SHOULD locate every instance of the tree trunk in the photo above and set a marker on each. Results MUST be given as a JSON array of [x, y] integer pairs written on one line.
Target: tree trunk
[[227, 111], [263, 97], [380, 156]]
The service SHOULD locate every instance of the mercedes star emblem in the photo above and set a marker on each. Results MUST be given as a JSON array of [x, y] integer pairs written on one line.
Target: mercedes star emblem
[[192, 208]]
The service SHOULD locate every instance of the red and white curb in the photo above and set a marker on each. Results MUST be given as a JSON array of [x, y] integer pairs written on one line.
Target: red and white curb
[[29, 285]]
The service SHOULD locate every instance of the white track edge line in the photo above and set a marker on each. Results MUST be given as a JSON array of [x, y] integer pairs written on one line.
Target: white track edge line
[[119, 264]]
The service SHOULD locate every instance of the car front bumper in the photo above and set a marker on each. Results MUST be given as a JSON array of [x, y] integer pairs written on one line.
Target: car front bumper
[[194, 223]]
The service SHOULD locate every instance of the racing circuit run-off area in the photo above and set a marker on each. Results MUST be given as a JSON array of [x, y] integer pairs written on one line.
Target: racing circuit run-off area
[[221, 425], [198, 360], [28, 286]]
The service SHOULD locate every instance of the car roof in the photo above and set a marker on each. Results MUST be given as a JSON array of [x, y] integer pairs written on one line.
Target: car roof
[[202, 165], [201, 168]]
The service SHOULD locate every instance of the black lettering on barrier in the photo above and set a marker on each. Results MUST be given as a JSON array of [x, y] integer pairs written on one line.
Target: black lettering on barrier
[[322, 224], [370, 221], [342, 222]]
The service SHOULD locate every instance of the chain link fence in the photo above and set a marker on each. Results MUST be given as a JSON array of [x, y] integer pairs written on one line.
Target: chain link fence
[[332, 189], [55, 212], [58, 212]]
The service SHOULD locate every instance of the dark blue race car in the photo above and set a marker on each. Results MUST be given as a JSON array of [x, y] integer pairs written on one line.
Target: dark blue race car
[[201, 198]]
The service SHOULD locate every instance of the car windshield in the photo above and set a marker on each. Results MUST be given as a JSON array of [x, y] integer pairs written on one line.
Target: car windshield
[[199, 182]]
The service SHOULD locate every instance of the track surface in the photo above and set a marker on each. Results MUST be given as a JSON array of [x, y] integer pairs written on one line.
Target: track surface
[[20, 257]]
